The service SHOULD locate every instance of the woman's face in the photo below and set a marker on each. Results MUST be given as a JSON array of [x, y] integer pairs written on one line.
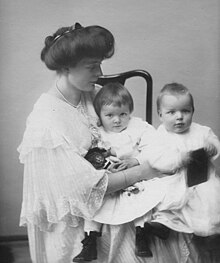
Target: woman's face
[[115, 118], [176, 113], [85, 74]]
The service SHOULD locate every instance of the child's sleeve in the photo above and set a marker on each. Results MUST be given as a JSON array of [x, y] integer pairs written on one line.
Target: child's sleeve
[[213, 140], [162, 155]]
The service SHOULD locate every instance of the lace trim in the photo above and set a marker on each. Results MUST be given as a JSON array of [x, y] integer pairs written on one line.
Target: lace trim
[[186, 242], [44, 214], [92, 124]]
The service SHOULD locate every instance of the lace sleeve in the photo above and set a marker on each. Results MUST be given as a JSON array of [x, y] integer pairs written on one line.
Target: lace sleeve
[[60, 185]]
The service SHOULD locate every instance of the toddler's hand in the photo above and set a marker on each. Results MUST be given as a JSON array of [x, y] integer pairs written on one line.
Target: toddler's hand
[[117, 167]]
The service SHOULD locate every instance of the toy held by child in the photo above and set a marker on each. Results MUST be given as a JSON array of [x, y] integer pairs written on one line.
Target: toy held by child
[[97, 157]]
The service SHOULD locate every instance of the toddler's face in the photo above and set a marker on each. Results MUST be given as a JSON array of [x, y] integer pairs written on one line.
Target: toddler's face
[[176, 113], [115, 118]]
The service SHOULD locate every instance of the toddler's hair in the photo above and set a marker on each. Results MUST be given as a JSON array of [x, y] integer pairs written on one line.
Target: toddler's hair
[[113, 93], [174, 89]]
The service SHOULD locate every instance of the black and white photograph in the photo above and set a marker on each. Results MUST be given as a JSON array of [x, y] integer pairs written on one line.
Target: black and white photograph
[[110, 131]]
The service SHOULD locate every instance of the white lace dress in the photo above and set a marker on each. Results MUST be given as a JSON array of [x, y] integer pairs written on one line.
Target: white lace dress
[[61, 188]]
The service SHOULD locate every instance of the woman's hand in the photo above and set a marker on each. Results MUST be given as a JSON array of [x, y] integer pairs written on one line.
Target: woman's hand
[[147, 172], [130, 162], [122, 179]]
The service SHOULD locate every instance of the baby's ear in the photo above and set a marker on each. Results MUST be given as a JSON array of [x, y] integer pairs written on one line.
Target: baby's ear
[[160, 116]]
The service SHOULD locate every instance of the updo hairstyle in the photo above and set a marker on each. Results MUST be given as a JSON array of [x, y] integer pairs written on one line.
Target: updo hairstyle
[[69, 45]]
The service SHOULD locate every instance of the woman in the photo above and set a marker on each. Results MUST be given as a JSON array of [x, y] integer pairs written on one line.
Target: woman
[[60, 186]]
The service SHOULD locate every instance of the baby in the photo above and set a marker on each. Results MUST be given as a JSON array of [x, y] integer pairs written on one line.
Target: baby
[[189, 149]]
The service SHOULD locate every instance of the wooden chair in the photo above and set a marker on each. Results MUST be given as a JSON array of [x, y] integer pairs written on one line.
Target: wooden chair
[[122, 77]]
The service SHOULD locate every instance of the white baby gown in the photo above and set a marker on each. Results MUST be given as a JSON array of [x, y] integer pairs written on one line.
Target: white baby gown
[[201, 209]]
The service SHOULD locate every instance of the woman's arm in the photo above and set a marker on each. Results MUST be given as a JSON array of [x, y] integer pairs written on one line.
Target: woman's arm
[[123, 179]]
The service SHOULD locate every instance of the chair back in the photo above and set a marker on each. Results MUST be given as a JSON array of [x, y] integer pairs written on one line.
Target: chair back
[[122, 77]]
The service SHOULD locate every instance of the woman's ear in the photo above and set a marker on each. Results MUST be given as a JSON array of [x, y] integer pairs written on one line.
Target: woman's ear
[[67, 70]]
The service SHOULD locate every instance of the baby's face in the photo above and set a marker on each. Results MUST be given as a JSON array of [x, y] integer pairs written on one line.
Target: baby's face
[[115, 118], [176, 113]]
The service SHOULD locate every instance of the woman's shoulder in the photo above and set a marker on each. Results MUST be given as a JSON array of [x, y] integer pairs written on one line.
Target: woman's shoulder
[[51, 123], [50, 111]]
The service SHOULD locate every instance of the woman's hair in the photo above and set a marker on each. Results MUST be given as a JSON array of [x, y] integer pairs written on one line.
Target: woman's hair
[[113, 93], [69, 45], [174, 89]]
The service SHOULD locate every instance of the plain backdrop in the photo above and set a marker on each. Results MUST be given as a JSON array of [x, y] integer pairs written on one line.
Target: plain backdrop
[[174, 40]]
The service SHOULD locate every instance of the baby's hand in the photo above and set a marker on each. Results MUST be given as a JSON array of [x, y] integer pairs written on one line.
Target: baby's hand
[[210, 149]]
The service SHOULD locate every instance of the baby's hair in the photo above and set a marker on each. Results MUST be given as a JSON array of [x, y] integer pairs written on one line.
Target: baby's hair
[[175, 89], [113, 93], [69, 45]]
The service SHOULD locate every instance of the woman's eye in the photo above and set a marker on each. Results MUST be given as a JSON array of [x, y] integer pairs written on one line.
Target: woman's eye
[[123, 114], [93, 66]]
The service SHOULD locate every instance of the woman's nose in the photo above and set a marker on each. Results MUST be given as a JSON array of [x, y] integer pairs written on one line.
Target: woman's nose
[[99, 71]]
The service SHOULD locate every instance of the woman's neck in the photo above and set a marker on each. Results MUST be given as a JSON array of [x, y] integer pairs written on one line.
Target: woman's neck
[[65, 91]]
